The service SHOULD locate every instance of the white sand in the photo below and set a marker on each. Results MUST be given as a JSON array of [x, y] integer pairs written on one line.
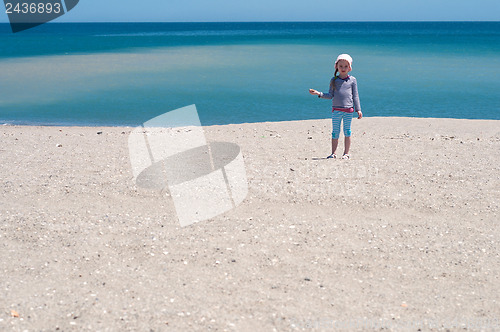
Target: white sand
[[406, 232]]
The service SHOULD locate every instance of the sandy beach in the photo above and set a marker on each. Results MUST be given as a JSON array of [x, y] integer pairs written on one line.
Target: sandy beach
[[403, 236]]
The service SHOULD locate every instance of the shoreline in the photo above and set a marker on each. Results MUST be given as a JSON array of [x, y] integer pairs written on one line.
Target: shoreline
[[229, 124]]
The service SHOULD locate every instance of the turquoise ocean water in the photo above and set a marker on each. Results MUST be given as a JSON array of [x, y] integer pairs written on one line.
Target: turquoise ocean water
[[127, 73]]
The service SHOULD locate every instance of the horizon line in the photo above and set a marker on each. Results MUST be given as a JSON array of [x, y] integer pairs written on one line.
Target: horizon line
[[389, 21]]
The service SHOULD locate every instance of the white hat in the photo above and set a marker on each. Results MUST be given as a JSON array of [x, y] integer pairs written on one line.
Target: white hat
[[346, 57]]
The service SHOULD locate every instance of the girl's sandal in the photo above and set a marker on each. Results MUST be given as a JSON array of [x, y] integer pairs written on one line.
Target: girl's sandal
[[346, 156], [332, 156]]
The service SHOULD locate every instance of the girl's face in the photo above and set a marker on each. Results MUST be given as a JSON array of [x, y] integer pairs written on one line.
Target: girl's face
[[343, 67]]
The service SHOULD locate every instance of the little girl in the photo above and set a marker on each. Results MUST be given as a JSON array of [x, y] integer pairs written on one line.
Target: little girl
[[344, 92]]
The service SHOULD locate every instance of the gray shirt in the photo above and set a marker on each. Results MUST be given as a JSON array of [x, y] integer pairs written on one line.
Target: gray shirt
[[345, 94]]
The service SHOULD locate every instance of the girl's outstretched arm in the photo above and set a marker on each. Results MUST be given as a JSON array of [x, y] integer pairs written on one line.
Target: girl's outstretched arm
[[331, 91]]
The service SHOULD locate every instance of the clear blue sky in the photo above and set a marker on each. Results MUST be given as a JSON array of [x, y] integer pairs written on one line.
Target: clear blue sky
[[280, 10]]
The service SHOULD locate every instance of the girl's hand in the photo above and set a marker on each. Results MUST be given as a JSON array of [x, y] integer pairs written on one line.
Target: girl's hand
[[360, 114], [314, 92]]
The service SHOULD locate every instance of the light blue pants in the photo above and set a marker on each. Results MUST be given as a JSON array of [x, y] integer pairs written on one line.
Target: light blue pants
[[337, 117]]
